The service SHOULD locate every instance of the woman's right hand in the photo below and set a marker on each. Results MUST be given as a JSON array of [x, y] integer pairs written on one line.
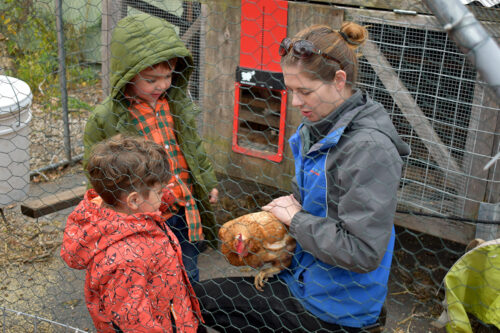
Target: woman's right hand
[[284, 208]]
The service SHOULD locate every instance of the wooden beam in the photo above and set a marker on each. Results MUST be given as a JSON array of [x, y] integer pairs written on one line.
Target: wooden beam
[[187, 39], [389, 18], [302, 15], [457, 231], [259, 118], [193, 28], [493, 186], [417, 6], [412, 112], [479, 148], [418, 21], [201, 64], [388, 5], [53, 203]]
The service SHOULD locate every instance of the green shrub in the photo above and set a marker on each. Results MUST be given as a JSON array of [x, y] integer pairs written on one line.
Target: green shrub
[[30, 34]]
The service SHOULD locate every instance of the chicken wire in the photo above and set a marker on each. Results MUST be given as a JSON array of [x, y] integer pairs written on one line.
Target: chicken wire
[[441, 82], [13, 320], [443, 182]]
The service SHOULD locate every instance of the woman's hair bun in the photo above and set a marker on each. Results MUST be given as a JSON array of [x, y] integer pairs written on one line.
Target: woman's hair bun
[[354, 34]]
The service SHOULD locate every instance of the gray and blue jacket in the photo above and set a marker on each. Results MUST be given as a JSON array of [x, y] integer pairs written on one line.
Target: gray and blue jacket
[[347, 173]]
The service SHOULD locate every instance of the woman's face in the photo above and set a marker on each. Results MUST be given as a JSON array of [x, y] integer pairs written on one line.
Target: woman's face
[[315, 98]]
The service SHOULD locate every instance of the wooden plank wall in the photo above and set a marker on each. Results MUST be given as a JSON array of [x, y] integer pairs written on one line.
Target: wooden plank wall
[[222, 34]]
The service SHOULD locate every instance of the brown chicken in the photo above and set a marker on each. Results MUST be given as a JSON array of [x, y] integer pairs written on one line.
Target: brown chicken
[[257, 239]]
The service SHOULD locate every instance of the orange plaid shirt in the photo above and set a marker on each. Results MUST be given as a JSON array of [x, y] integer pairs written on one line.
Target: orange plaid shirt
[[158, 126]]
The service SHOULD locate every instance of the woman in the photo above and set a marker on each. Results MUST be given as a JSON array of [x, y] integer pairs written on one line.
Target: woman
[[347, 170]]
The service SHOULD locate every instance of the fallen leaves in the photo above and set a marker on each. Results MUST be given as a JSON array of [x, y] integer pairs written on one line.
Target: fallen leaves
[[25, 241]]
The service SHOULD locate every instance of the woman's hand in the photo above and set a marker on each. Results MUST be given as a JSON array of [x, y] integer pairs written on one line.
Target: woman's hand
[[284, 208], [214, 196]]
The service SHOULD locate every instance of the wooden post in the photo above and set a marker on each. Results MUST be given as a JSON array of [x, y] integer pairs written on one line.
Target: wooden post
[[493, 186], [221, 37], [201, 65], [111, 13], [479, 148], [488, 212]]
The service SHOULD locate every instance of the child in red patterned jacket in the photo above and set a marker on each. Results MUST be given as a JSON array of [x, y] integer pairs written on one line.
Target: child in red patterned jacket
[[135, 279]]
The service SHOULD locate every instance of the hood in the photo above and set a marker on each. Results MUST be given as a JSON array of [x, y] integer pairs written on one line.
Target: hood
[[91, 229], [358, 112], [373, 115], [140, 41]]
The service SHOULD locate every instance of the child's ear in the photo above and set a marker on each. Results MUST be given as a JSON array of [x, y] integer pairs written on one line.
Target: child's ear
[[132, 201]]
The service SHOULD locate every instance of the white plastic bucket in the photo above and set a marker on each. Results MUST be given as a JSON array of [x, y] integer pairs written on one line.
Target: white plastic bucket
[[15, 116]]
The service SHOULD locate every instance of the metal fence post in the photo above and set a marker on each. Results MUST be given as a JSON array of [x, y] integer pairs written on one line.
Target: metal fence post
[[62, 77]]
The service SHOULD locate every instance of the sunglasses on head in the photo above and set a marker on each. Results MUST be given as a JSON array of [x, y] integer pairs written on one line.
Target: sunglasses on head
[[302, 49]]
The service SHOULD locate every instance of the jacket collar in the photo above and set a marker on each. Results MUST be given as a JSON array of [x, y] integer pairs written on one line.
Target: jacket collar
[[314, 134]]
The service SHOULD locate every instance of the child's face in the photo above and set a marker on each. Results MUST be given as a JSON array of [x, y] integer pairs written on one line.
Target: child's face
[[151, 200], [151, 83]]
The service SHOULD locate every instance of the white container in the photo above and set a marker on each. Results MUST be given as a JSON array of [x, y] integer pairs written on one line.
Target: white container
[[15, 116]]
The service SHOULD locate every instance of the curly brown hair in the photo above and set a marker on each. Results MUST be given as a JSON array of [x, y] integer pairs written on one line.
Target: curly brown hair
[[339, 45], [124, 164]]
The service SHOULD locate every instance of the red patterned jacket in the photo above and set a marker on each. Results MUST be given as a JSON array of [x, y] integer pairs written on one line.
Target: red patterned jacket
[[134, 279]]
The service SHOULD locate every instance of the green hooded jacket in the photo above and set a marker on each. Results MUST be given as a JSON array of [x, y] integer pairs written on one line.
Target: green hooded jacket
[[137, 42]]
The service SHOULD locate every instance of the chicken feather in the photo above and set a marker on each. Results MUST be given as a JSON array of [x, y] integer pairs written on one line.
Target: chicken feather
[[257, 239]]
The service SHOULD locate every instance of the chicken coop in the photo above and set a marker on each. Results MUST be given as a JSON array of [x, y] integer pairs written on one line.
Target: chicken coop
[[433, 94]]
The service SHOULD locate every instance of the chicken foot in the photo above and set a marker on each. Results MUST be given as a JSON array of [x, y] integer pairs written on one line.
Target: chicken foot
[[264, 275]]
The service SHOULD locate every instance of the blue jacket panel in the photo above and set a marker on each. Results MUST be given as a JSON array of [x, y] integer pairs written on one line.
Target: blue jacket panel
[[333, 294]]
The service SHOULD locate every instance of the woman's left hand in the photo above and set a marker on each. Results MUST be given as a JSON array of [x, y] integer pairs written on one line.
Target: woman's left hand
[[284, 208], [214, 196]]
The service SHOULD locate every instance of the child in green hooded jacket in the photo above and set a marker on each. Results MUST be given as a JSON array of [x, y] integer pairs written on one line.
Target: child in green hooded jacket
[[150, 69]]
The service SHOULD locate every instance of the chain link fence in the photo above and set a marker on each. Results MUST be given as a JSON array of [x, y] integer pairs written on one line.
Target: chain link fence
[[436, 99]]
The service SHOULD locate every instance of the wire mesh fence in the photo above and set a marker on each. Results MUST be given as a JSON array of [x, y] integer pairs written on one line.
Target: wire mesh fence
[[245, 115], [13, 320]]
